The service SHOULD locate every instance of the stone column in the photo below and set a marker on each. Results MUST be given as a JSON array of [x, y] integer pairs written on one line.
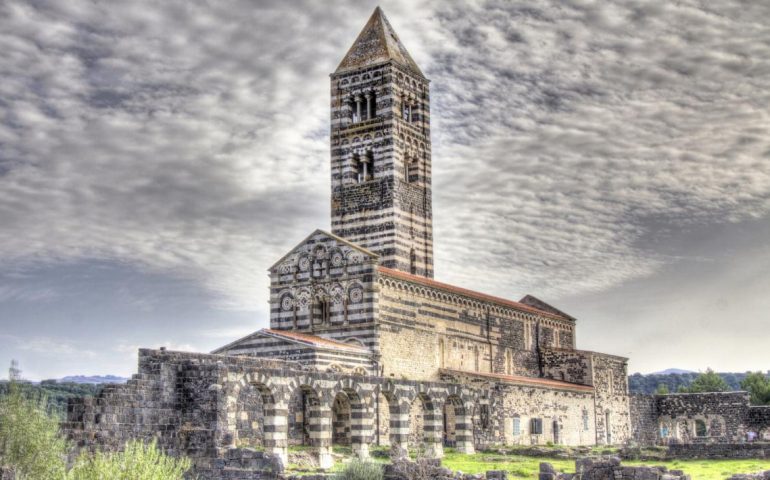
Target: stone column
[[361, 430], [358, 108], [433, 428], [368, 106], [464, 430], [276, 426], [399, 429], [320, 429]]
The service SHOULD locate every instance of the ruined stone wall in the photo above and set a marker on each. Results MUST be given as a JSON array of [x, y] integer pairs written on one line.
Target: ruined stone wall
[[719, 417], [423, 328], [644, 419], [698, 419], [613, 420], [201, 406]]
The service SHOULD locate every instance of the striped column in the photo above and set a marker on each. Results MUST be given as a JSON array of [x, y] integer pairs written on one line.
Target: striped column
[[399, 429], [361, 430], [464, 431], [433, 428], [320, 431], [276, 425]]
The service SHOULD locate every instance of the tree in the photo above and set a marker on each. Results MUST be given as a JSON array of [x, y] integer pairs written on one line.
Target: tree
[[33, 447], [758, 386], [30, 442], [709, 381], [662, 389]]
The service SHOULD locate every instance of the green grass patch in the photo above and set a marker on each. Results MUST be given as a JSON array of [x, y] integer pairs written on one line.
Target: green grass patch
[[519, 466]]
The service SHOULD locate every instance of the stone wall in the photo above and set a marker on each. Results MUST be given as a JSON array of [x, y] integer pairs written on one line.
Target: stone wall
[[698, 418], [200, 405], [565, 413], [644, 413], [609, 468], [610, 381], [426, 325]]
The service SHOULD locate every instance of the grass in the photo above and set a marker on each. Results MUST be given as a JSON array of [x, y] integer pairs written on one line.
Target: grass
[[519, 466]]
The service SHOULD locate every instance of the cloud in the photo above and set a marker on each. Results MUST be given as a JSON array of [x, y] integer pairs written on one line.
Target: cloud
[[45, 346], [190, 139]]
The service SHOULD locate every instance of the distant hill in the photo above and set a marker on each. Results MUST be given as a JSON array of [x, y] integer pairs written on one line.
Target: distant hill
[[669, 371], [93, 379], [647, 384]]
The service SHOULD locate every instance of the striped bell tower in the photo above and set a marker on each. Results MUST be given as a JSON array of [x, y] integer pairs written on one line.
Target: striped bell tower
[[381, 152]]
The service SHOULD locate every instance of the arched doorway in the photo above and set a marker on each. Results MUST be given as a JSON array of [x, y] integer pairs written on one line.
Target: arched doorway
[[458, 425], [382, 419], [425, 426], [341, 420], [249, 418]]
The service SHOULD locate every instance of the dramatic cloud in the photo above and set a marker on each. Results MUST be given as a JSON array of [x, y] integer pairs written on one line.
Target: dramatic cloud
[[190, 139]]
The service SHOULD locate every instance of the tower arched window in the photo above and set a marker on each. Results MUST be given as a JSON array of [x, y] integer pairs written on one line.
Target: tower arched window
[[413, 262], [363, 166], [370, 111], [406, 111]]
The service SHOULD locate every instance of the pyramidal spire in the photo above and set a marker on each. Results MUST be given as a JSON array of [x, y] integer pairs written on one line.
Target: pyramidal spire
[[377, 43]]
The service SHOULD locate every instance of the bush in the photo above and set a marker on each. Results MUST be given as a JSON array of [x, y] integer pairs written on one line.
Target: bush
[[138, 461], [32, 446], [360, 470], [30, 442]]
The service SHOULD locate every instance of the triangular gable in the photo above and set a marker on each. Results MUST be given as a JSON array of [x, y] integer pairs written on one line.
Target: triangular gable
[[306, 340], [377, 43], [535, 302], [299, 248]]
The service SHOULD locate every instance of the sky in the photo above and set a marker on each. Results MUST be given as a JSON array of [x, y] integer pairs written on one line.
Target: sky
[[611, 158]]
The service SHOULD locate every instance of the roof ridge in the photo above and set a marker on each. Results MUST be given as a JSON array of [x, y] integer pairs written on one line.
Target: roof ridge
[[314, 340], [472, 293]]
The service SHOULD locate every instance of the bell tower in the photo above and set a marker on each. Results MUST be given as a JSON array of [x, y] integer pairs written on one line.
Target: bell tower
[[381, 152]]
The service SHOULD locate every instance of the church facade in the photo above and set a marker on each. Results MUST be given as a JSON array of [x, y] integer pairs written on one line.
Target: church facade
[[365, 347]]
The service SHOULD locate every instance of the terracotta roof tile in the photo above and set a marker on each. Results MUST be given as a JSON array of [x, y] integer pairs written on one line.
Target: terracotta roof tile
[[517, 379], [468, 293], [315, 340]]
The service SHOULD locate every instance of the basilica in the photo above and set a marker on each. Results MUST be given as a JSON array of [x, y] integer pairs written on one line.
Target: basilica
[[361, 299], [365, 347]]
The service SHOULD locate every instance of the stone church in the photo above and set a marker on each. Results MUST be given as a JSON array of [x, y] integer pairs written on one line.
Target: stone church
[[361, 299], [365, 347]]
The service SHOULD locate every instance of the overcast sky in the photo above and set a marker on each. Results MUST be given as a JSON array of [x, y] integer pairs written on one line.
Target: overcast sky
[[610, 158]]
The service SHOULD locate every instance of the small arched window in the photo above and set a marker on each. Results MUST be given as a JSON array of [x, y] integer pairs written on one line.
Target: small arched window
[[700, 428], [406, 111], [413, 262]]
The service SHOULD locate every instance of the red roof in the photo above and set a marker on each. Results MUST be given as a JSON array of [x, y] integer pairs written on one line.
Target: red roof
[[315, 340], [468, 293], [545, 382]]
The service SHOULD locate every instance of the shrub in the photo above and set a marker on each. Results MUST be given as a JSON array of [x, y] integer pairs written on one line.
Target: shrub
[[138, 461], [33, 448], [360, 470], [30, 442]]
